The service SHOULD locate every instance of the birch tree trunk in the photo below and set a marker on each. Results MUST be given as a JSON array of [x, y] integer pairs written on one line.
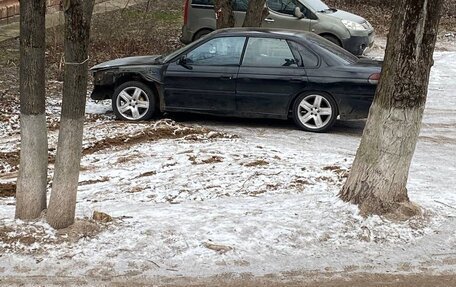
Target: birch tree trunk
[[224, 13], [62, 205], [378, 178], [256, 13], [32, 179]]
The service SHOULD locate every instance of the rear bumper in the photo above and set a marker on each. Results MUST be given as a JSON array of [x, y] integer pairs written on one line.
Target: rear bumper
[[355, 107], [357, 45]]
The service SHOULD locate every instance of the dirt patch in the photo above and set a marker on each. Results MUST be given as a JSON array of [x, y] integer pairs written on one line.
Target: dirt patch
[[438, 139], [7, 237], [161, 130], [283, 279], [259, 162], [147, 173], [80, 229], [219, 248], [300, 183], [324, 179], [7, 189], [101, 217], [35, 237], [213, 159], [11, 159], [93, 181], [342, 173], [136, 189]]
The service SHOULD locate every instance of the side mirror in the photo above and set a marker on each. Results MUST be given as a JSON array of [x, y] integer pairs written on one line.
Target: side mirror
[[184, 62], [298, 13]]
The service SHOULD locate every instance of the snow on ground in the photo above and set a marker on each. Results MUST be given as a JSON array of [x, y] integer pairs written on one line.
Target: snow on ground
[[239, 196]]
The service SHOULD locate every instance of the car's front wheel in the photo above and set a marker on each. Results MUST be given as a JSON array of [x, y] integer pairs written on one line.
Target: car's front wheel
[[315, 112], [133, 101], [332, 39]]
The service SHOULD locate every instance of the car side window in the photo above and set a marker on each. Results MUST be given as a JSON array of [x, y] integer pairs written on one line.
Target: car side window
[[286, 6], [309, 59], [217, 52], [268, 52], [240, 5], [203, 2]]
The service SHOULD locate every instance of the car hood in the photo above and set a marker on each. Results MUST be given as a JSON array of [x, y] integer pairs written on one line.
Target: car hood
[[344, 15], [129, 61]]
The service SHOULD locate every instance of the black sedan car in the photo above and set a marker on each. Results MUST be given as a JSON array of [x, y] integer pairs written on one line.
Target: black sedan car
[[240, 72]]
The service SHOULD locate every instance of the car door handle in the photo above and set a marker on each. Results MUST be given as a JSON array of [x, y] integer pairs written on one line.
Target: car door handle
[[269, 20], [226, 78]]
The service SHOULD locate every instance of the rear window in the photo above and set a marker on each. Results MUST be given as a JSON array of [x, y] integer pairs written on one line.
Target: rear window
[[332, 50], [203, 2], [238, 5]]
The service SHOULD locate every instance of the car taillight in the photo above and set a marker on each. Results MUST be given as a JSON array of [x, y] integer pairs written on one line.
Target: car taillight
[[374, 78], [186, 3]]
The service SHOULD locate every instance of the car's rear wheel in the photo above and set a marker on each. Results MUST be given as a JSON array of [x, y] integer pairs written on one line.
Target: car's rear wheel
[[315, 112], [133, 101]]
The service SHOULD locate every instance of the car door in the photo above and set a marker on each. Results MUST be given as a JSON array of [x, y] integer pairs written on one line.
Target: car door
[[282, 15], [271, 74], [204, 79]]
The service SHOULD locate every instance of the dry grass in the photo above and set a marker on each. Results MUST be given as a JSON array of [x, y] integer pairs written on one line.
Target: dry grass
[[7, 189], [138, 30]]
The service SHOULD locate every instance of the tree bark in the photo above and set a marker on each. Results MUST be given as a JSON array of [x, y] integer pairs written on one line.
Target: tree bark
[[224, 13], [378, 178], [32, 179], [62, 205], [256, 13]]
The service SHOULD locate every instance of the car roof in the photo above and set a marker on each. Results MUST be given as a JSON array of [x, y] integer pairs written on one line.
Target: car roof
[[261, 32]]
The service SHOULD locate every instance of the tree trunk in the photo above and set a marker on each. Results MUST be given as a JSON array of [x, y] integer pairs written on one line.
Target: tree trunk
[[256, 13], [378, 178], [32, 179], [62, 205], [224, 13]]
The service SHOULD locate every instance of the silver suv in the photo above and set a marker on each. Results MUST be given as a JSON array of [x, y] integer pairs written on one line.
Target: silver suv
[[345, 29]]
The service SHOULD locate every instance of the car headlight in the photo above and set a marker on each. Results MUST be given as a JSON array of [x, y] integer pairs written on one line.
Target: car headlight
[[350, 25]]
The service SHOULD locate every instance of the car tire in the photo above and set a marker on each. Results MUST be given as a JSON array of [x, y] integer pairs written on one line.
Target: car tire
[[315, 112], [133, 101], [201, 34], [332, 39]]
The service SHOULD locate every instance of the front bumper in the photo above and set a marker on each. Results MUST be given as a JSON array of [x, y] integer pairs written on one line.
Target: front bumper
[[357, 45], [103, 85]]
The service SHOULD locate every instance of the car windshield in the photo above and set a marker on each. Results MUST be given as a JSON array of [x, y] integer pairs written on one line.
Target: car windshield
[[332, 50], [317, 5], [167, 58]]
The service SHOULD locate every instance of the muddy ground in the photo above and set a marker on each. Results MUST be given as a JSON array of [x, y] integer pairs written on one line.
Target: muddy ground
[[247, 280]]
